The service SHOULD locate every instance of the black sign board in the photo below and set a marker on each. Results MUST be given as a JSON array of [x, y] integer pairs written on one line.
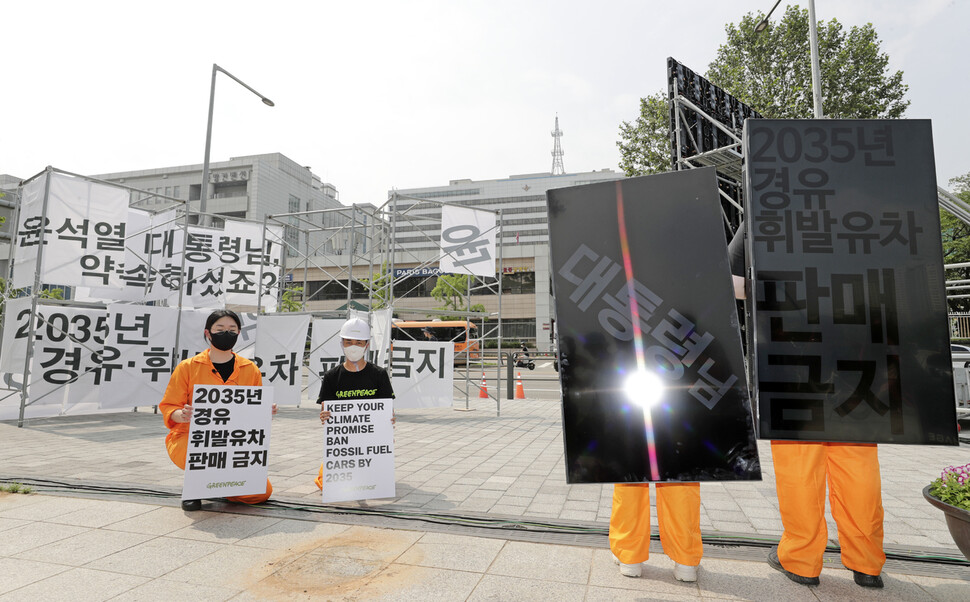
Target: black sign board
[[652, 375], [849, 306]]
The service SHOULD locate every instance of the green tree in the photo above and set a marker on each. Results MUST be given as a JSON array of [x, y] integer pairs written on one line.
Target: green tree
[[771, 72], [377, 285], [956, 240], [451, 289], [291, 299]]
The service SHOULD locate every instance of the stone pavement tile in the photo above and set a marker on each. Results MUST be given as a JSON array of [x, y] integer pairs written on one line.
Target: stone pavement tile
[[104, 513], [162, 520], [453, 552], [498, 587], [9, 501], [578, 515], [657, 578], [727, 516], [33, 535], [732, 527], [224, 528], [552, 510], [10, 523], [290, 534], [610, 594], [19, 572], [84, 547], [560, 564], [721, 504], [155, 557], [740, 580], [942, 590], [160, 590], [230, 567], [46, 507], [837, 584], [400, 582], [368, 543], [76, 584], [500, 508]]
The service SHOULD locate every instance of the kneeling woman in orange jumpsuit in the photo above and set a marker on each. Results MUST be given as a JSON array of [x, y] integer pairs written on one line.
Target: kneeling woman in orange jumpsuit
[[679, 517], [217, 365]]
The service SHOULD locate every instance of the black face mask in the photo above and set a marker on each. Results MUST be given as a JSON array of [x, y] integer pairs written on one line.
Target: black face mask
[[223, 341]]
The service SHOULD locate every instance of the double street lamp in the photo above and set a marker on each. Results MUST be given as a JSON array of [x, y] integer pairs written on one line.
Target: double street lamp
[[813, 45], [203, 197]]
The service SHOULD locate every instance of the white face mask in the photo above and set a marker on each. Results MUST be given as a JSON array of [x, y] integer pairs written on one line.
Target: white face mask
[[354, 353]]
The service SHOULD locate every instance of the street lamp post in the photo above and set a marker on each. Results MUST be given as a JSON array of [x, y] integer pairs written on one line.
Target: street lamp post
[[203, 197], [813, 46]]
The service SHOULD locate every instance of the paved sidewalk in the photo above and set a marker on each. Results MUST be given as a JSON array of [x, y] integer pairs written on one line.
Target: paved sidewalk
[[462, 465]]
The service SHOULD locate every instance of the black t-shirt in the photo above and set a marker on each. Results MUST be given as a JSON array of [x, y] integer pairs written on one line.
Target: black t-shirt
[[225, 369], [736, 251], [370, 383]]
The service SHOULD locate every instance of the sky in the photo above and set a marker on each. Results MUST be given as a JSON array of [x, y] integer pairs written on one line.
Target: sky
[[400, 94]]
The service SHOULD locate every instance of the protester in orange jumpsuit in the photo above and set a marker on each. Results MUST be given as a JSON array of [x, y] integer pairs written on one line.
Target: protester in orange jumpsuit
[[679, 517], [217, 365], [801, 471]]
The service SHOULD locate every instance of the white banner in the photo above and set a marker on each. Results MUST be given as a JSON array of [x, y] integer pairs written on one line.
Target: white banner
[[467, 241], [380, 334], [15, 326], [191, 338], [65, 372], [27, 238], [137, 359], [246, 261], [423, 374], [87, 239], [325, 352], [358, 454], [202, 279], [228, 441], [149, 254], [280, 340]]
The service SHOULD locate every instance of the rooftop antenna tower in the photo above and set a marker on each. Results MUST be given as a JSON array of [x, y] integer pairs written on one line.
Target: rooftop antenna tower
[[557, 168]]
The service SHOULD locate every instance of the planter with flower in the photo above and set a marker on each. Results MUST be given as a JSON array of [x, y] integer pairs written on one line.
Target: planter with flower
[[951, 494]]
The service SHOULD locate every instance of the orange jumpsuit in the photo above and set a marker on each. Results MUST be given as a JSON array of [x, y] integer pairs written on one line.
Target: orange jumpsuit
[[678, 514], [199, 370], [855, 496]]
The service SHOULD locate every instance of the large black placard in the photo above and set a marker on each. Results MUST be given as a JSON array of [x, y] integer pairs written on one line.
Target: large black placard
[[644, 298], [850, 323]]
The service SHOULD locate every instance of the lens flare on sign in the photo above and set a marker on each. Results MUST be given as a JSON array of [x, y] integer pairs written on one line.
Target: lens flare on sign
[[637, 333], [644, 389]]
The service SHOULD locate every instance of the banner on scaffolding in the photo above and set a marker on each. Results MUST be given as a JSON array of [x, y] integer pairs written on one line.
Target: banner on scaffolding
[[467, 241], [82, 224], [228, 447], [423, 374], [280, 341], [136, 360], [653, 383], [251, 269], [850, 315], [326, 352]]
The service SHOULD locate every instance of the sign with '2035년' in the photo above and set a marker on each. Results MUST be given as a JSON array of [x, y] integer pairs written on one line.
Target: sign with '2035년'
[[228, 441]]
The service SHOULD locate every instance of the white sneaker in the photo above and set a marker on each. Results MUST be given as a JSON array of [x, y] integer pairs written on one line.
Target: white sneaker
[[683, 572], [628, 570]]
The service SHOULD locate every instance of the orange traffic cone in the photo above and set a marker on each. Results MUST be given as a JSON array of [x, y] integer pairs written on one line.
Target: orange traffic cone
[[519, 390], [483, 390]]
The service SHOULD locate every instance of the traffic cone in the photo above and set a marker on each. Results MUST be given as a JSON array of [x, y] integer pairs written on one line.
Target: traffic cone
[[519, 390], [483, 390]]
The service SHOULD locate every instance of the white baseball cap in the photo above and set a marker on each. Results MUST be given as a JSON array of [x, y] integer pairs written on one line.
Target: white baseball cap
[[355, 328]]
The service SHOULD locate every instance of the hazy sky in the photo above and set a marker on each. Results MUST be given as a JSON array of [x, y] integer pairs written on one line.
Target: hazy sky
[[376, 95]]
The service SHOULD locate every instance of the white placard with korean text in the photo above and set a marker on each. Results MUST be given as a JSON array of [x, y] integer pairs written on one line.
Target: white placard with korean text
[[248, 262], [27, 239], [202, 280], [280, 340], [228, 445], [423, 374], [358, 452], [467, 241]]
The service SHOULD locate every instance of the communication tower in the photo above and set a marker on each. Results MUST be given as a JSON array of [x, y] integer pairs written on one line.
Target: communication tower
[[557, 168]]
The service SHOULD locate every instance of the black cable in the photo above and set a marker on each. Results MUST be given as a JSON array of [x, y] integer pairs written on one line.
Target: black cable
[[482, 522]]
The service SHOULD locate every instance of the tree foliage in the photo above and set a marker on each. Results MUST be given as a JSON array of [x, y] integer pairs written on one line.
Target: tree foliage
[[378, 287], [771, 72], [956, 240], [452, 290]]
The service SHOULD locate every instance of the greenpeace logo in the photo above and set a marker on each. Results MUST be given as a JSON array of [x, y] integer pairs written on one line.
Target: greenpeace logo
[[357, 393], [225, 484]]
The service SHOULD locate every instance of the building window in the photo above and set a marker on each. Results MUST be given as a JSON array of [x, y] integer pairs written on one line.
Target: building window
[[294, 205]]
